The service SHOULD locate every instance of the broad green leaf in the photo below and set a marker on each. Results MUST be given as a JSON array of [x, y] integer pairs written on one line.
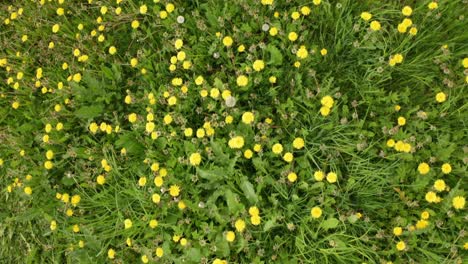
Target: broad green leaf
[[269, 224], [330, 223], [130, 143], [215, 174], [231, 201], [89, 112], [249, 191], [276, 58], [194, 254]]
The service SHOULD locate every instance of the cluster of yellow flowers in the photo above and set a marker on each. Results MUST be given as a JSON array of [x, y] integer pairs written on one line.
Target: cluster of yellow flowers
[[327, 103]]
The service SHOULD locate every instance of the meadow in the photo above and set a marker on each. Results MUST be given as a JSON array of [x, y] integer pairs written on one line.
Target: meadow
[[244, 131]]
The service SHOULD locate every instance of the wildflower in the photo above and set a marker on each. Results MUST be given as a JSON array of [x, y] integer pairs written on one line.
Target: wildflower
[[431, 197], [112, 50], [248, 118], [111, 253], [255, 220], [75, 199], [242, 80], [77, 77], [407, 10], [327, 101], [439, 185], [446, 168], [458, 202], [240, 225], [397, 231], [401, 121], [298, 143], [421, 224], [305, 10], [324, 111], [375, 25], [230, 236], [149, 127], [424, 168], [319, 175], [55, 28], [143, 9], [331, 177], [323, 52], [128, 223], [413, 31], [156, 198], [248, 154], [302, 53], [49, 154], [27, 190], [401, 246], [174, 190], [292, 177], [142, 181], [195, 159], [134, 62], [48, 165], [101, 179], [292, 36], [253, 210], [170, 8], [316, 212], [277, 148], [227, 41], [295, 15], [288, 157], [53, 225], [441, 97], [366, 16], [273, 31], [158, 181], [167, 119], [432, 5], [398, 58], [258, 65], [132, 118], [236, 142], [159, 252], [153, 223]]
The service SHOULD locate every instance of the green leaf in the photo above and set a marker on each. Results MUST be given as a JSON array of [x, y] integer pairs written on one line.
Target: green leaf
[[189, 147], [259, 165], [107, 72], [89, 112], [330, 223], [215, 174], [67, 181], [117, 72], [221, 157], [249, 191], [222, 246], [276, 58], [352, 218], [194, 254], [233, 206], [269, 224], [130, 143], [218, 83]]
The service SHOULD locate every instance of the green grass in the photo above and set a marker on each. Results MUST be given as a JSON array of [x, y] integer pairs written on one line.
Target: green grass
[[378, 187]]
